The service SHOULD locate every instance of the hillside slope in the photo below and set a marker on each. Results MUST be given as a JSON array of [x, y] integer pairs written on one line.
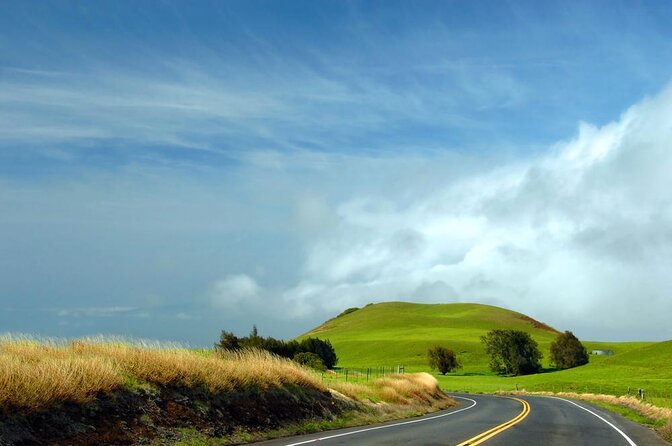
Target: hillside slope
[[394, 333]]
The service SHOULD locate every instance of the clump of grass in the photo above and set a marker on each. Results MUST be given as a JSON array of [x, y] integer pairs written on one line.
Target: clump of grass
[[666, 431], [646, 409], [34, 373], [182, 367], [394, 389], [628, 406]]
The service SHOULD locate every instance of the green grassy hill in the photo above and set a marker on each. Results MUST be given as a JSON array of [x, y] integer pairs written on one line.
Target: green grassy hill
[[395, 333]]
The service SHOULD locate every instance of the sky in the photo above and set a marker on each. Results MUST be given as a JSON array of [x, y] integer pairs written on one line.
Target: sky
[[169, 170]]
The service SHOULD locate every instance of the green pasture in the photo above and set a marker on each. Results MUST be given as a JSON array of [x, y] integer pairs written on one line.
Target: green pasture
[[397, 333]]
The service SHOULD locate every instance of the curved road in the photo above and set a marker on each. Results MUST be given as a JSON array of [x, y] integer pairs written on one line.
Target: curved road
[[496, 421]]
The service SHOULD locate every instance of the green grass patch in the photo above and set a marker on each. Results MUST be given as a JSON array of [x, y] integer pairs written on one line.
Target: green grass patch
[[396, 333]]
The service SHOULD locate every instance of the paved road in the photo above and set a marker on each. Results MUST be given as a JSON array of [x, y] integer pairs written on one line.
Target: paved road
[[496, 421]]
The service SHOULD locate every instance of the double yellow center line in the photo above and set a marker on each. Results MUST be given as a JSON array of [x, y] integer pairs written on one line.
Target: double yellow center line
[[480, 438]]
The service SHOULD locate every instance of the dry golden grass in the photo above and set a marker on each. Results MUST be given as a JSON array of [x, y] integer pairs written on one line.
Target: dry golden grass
[[647, 409], [666, 431], [394, 389], [34, 374]]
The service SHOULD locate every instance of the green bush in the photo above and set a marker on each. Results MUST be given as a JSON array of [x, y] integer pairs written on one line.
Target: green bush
[[310, 360], [287, 349], [512, 352], [567, 351], [348, 311], [442, 359]]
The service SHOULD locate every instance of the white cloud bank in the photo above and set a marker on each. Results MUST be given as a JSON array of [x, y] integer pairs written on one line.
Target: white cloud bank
[[234, 292], [580, 236]]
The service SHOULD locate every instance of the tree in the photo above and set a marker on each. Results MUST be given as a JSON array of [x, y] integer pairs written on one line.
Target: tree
[[442, 359], [254, 340], [311, 360], [567, 351], [512, 352], [287, 349], [228, 341], [321, 348]]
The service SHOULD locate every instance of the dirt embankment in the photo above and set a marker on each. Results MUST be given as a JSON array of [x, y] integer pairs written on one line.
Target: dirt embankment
[[97, 392], [127, 417]]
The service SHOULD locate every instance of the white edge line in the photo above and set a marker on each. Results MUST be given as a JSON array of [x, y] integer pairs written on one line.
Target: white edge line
[[628, 439], [420, 420]]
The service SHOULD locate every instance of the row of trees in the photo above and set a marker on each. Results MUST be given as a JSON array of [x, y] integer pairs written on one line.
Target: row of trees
[[514, 352], [314, 352]]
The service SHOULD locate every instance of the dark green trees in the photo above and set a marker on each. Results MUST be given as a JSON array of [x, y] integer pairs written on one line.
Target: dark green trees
[[567, 351], [442, 359], [512, 352], [310, 360], [288, 349], [228, 341]]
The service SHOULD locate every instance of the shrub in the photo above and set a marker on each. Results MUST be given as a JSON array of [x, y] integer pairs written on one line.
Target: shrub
[[442, 359], [321, 348], [512, 352], [348, 311], [287, 349], [567, 351], [228, 341], [310, 360]]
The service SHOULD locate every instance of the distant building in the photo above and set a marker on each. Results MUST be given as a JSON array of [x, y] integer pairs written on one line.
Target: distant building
[[602, 352]]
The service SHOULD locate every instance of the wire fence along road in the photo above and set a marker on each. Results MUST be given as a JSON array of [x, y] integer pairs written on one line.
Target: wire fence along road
[[361, 374], [656, 396]]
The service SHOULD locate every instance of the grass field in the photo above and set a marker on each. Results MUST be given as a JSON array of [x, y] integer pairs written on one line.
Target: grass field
[[400, 333]]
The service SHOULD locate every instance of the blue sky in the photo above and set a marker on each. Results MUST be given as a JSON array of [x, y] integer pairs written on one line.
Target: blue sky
[[170, 169]]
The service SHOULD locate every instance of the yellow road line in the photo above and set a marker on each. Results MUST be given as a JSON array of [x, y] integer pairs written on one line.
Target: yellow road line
[[482, 437]]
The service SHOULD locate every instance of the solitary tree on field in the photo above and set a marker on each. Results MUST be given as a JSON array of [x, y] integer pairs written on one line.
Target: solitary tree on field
[[443, 359], [512, 352], [567, 351]]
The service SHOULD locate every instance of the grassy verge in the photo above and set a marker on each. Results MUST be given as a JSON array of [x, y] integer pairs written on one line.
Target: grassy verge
[[257, 395], [658, 418], [36, 374], [614, 380]]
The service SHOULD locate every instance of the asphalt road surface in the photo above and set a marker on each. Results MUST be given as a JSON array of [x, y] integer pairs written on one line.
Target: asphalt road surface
[[496, 421]]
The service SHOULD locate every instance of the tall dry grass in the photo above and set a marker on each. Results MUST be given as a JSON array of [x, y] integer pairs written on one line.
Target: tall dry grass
[[394, 389], [34, 373], [666, 431], [647, 409]]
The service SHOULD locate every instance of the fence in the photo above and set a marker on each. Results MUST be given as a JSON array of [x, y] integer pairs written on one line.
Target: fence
[[655, 395], [361, 374]]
